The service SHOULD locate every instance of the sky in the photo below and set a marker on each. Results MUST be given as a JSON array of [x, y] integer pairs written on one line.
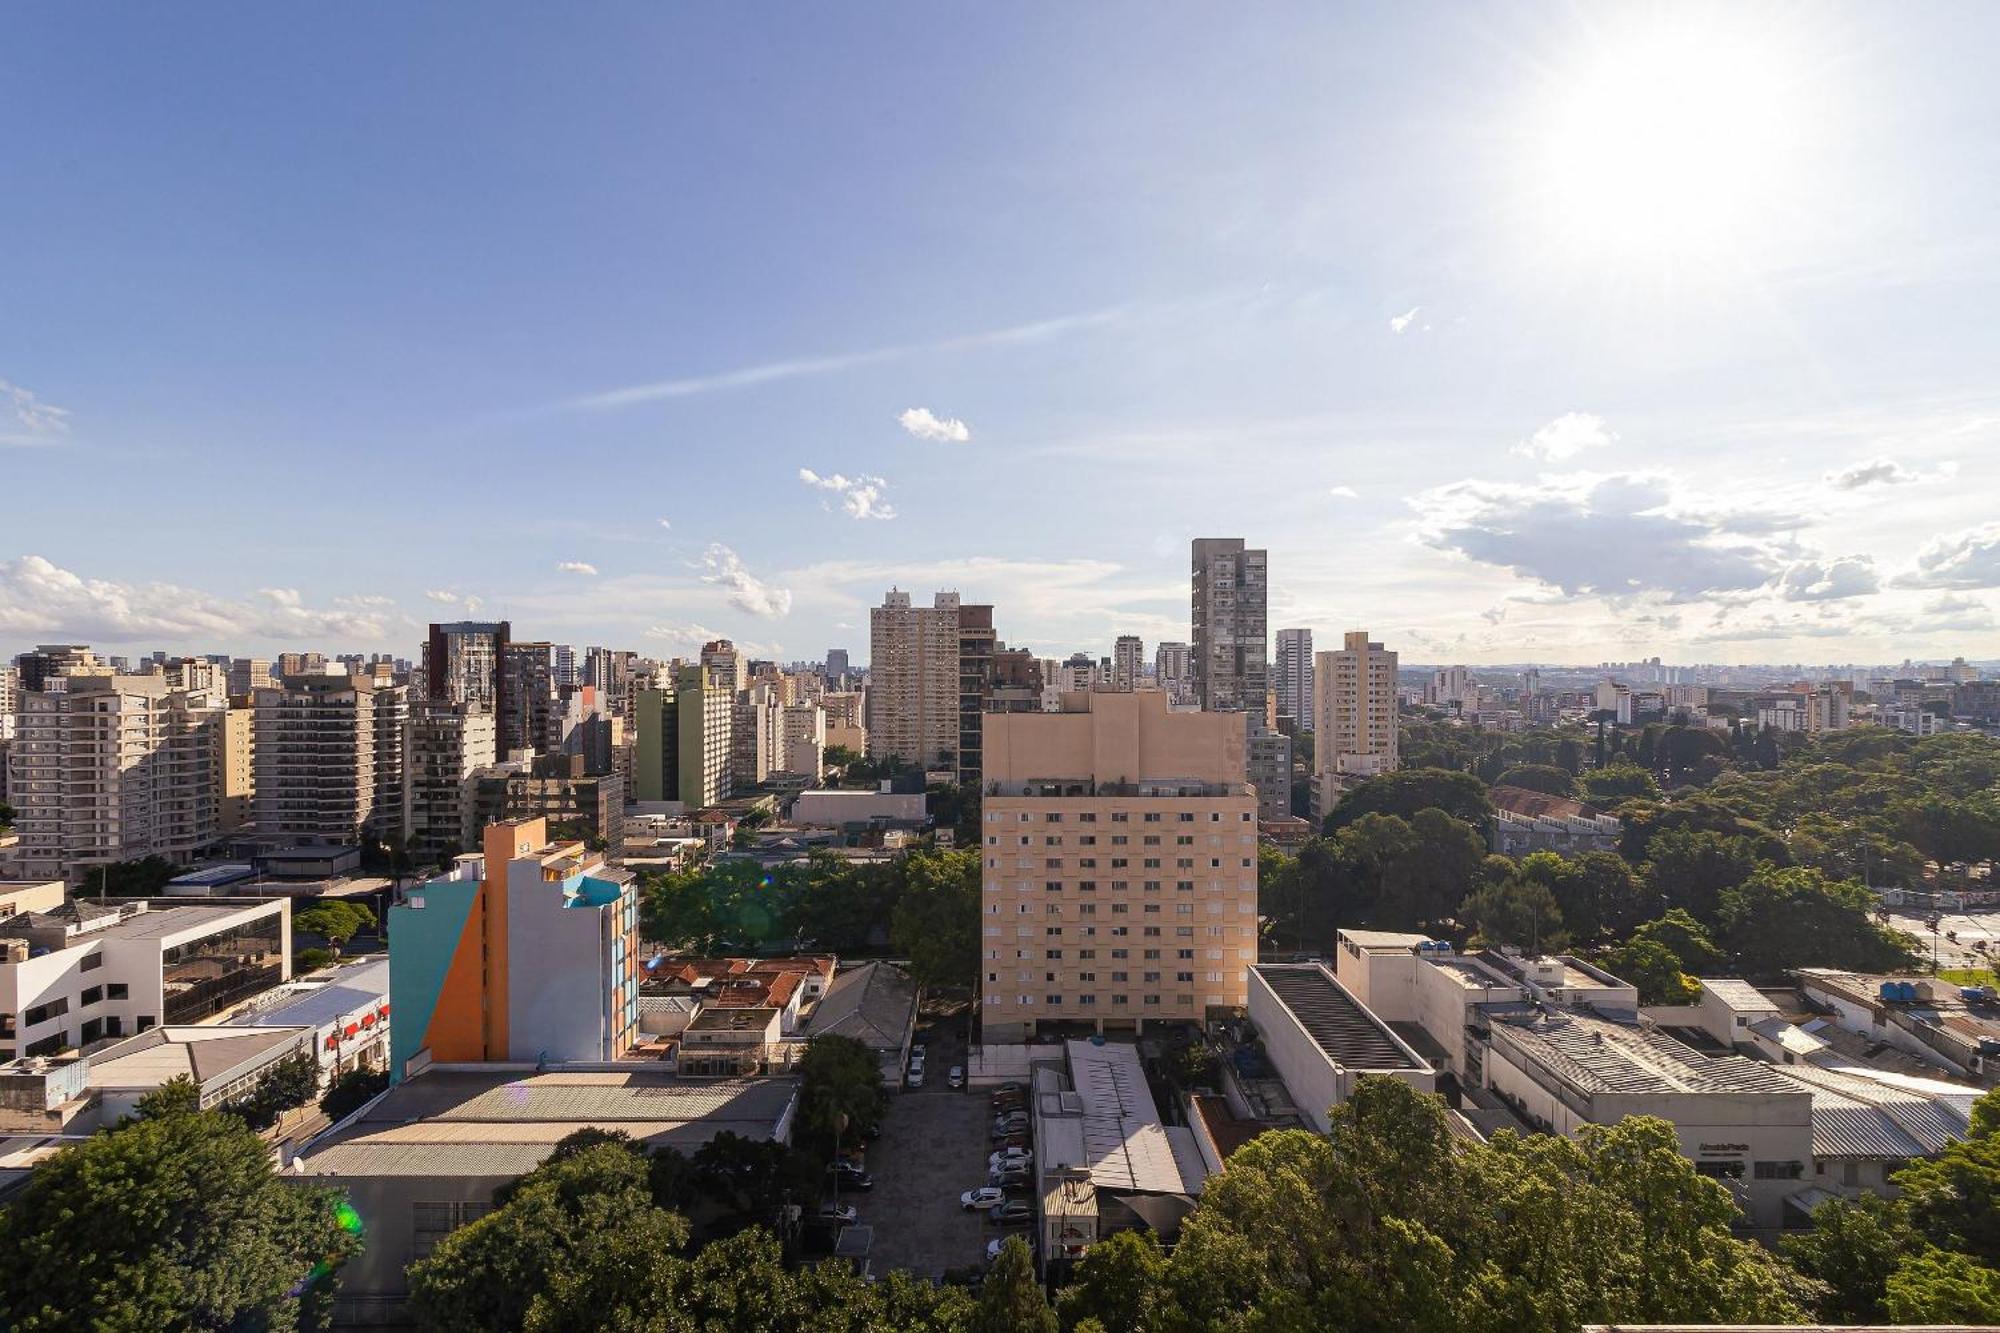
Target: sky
[[1514, 331]]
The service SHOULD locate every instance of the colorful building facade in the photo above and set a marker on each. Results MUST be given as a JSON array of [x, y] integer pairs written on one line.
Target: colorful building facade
[[524, 954]]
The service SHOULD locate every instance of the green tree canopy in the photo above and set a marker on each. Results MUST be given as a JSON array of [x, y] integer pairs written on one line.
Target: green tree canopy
[[1550, 778], [1686, 938], [175, 1220], [1616, 782], [1781, 919], [1517, 912], [1406, 791], [936, 919], [840, 1091], [1012, 1300], [1116, 1283], [1652, 967]]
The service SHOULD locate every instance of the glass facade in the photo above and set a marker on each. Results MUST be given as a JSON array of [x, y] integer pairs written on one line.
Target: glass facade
[[208, 975]]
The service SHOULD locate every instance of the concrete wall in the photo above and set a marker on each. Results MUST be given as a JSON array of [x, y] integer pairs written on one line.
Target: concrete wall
[[1315, 1082], [1120, 738], [558, 958]]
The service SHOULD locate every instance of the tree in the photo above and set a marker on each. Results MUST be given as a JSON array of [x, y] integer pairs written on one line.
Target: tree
[[1012, 1300], [1853, 1247], [337, 920], [1686, 938], [1985, 1115], [1781, 919], [177, 1096], [580, 1233], [1115, 1283], [1552, 779], [1652, 967], [1693, 868], [1408, 790], [1597, 892], [1518, 912], [290, 1084], [936, 919], [174, 1220], [311, 960], [1936, 1287], [1615, 783], [1953, 1199], [351, 1091], [840, 1091]]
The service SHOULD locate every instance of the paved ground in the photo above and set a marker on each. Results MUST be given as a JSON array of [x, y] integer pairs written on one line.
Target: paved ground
[[933, 1148], [1981, 925]]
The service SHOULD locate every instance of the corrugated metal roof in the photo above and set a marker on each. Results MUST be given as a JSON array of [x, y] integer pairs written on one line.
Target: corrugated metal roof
[[1738, 994], [1596, 1055]]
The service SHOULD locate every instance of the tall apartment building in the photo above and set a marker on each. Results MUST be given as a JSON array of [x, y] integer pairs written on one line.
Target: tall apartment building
[[328, 759], [837, 668], [1293, 679], [51, 660], [565, 666], [1128, 657], [1452, 687], [443, 746], [527, 954], [247, 674], [525, 717], [914, 689], [726, 664], [1230, 656], [462, 665], [1120, 866], [756, 726], [597, 669], [10, 693], [977, 644], [1173, 671], [237, 792], [1355, 704], [113, 768], [803, 736], [684, 749]]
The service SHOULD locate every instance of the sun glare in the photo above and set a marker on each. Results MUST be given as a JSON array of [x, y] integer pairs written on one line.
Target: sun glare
[[1664, 143]]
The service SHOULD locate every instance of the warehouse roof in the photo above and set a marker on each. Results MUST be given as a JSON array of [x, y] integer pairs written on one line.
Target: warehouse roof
[[1596, 1055], [1352, 1037]]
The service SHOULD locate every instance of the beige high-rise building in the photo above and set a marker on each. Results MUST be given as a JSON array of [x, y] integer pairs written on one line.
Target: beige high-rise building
[[804, 727], [238, 774], [1119, 883], [113, 768], [1128, 658], [1354, 707], [328, 759], [913, 680], [248, 674], [443, 746]]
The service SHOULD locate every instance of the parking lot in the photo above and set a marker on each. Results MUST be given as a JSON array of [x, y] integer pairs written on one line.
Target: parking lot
[[933, 1148]]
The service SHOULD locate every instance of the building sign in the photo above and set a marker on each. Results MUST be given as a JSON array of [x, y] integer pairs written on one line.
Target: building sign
[[1720, 1149]]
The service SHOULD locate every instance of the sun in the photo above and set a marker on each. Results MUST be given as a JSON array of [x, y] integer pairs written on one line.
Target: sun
[[1666, 140]]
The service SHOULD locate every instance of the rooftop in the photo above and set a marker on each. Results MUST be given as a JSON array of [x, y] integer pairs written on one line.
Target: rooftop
[[355, 986], [200, 1053], [1395, 941], [1124, 1144], [501, 1123], [1598, 1056], [1528, 804], [874, 1003], [1739, 995], [1352, 1037]]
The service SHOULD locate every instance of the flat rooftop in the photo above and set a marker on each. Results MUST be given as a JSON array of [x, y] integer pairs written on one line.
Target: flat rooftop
[[1352, 1037], [449, 1122], [355, 986], [161, 922], [1597, 1056], [1395, 941]]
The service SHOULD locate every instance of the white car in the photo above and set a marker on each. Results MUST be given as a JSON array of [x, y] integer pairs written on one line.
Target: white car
[[956, 1077], [916, 1078], [983, 1197], [993, 1248], [1010, 1157], [840, 1214]]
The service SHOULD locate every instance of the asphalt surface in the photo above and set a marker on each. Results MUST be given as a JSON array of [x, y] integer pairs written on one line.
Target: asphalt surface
[[933, 1148]]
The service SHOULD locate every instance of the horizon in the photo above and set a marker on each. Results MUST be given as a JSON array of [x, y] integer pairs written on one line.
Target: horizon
[[1513, 335]]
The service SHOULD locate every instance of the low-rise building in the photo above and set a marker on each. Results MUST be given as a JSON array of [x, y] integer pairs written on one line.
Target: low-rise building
[[1322, 1039], [1527, 821], [832, 808], [425, 1158], [225, 1064], [81, 972], [347, 1010], [874, 1004]]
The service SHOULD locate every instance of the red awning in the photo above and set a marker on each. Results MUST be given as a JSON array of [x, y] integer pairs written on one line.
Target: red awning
[[368, 1020], [352, 1028]]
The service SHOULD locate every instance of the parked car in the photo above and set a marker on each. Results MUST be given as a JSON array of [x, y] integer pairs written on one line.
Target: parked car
[[838, 1214], [955, 1076], [986, 1196], [1014, 1212], [993, 1248], [1006, 1155], [917, 1051], [1014, 1141], [916, 1078], [849, 1176]]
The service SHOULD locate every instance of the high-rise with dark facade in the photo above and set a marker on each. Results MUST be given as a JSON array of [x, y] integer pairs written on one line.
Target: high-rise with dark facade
[[1231, 662]]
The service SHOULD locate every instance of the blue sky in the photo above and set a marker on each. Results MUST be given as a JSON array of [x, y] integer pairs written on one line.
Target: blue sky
[[1515, 332]]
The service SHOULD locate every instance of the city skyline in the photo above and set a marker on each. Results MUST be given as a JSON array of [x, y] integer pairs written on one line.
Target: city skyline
[[606, 331]]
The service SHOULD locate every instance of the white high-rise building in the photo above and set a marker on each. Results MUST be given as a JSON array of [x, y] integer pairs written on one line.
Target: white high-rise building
[[1293, 678], [329, 759], [113, 768], [1173, 671], [443, 746], [1355, 701], [1452, 687]]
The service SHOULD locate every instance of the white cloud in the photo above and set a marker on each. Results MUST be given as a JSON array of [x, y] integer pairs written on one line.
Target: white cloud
[[34, 421], [1015, 335], [1949, 611], [688, 637], [1343, 493], [1400, 323], [1969, 559], [1831, 580], [38, 597], [746, 592], [575, 567], [1876, 471], [861, 497], [1566, 437], [925, 425], [666, 523], [1621, 535], [444, 596]]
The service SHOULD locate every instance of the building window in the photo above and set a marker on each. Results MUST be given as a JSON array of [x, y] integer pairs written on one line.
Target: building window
[[1152, 999], [1780, 1170], [1086, 999], [1183, 976], [91, 962], [1152, 816], [91, 995], [1187, 817], [1118, 999]]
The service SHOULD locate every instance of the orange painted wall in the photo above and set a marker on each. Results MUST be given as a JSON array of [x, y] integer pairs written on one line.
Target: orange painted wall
[[501, 843], [458, 1022]]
